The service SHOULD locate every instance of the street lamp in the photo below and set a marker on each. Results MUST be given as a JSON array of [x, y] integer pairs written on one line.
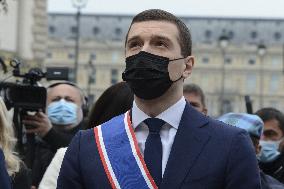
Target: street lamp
[[79, 4], [223, 43], [91, 70], [261, 50]]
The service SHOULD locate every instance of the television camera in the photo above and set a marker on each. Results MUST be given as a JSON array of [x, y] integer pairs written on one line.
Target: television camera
[[27, 96]]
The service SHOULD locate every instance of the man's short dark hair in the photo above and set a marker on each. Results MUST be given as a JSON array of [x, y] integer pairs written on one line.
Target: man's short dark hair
[[184, 37], [194, 89], [267, 114]]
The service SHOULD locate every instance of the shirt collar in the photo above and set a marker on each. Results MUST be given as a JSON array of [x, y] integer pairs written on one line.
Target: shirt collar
[[172, 115]]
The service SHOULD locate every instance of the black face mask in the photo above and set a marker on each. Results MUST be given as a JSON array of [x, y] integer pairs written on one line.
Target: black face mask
[[147, 75]]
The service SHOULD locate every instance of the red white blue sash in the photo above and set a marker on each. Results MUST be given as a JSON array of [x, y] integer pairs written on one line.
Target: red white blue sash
[[120, 155]]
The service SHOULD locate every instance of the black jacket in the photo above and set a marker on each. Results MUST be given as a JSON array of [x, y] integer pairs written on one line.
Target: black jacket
[[22, 179], [275, 168], [268, 182], [46, 148]]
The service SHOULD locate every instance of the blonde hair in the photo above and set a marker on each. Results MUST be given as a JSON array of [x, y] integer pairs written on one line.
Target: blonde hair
[[8, 141]]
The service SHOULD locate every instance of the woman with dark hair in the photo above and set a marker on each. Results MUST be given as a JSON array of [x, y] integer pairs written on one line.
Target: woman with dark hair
[[114, 101]]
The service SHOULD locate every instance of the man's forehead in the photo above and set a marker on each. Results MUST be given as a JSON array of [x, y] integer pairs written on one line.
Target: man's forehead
[[272, 123], [154, 28], [63, 89], [192, 95]]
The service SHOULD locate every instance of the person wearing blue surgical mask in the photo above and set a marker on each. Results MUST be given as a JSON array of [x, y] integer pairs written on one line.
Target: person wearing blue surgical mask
[[271, 156], [254, 126], [62, 112], [55, 128]]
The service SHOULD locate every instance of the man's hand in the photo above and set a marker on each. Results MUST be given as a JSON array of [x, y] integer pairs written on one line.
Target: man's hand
[[41, 123]]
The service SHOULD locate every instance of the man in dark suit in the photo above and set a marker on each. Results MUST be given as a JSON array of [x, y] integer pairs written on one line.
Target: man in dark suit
[[162, 142], [5, 182]]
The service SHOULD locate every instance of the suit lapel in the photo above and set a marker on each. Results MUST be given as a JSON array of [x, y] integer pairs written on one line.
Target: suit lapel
[[188, 144]]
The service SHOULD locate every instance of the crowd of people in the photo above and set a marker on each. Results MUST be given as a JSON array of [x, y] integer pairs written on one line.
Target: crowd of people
[[148, 131]]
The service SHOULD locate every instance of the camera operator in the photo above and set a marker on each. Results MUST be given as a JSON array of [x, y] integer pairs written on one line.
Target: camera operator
[[55, 129]]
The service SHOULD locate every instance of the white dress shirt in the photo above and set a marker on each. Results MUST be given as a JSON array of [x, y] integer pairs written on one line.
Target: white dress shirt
[[171, 116]]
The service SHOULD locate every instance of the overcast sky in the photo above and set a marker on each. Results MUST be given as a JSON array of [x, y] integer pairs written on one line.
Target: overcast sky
[[224, 8]]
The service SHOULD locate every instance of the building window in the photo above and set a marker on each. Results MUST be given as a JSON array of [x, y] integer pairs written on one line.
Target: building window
[[231, 34], [274, 83], [208, 34], [74, 29], [71, 56], [205, 81], [118, 31], [251, 61], [227, 105], [276, 61], [114, 76], [205, 60], [228, 60], [49, 55], [251, 83], [96, 30], [93, 56], [115, 57], [277, 35], [253, 34], [51, 29], [53, 17], [91, 98]]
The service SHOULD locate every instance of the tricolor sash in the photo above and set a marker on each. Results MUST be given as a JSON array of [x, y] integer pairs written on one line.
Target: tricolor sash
[[120, 155]]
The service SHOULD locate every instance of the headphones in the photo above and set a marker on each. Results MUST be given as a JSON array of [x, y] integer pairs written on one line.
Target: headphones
[[85, 104]]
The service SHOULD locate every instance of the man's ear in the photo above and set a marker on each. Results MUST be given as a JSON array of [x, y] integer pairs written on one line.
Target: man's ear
[[189, 63]]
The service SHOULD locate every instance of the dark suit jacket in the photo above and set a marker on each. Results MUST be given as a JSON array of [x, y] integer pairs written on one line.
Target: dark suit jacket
[[206, 153], [5, 182]]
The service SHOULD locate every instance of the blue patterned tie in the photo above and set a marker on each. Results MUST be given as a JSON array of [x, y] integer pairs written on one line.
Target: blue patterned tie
[[153, 149]]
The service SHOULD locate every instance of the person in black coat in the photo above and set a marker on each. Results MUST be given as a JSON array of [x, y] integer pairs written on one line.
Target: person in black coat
[[254, 126], [271, 156], [55, 128]]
